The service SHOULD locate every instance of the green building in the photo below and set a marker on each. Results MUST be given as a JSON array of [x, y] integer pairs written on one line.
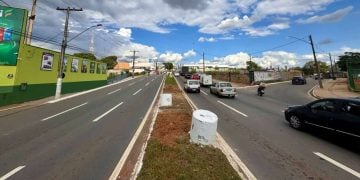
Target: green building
[[28, 72]]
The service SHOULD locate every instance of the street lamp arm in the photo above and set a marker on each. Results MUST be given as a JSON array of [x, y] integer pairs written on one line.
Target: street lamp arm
[[83, 32]]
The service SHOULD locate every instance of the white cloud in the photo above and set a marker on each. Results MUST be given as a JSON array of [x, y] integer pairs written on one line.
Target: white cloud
[[125, 32], [203, 39], [189, 53], [170, 57], [238, 59], [278, 59], [279, 26], [332, 17]]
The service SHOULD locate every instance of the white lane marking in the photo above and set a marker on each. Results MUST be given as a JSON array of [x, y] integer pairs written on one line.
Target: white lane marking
[[88, 91], [137, 92], [120, 164], [63, 112], [203, 92], [107, 112], [131, 84], [113, 91], [234, 160], [147, 84], [349, 170], [232, 108], [11, 172]]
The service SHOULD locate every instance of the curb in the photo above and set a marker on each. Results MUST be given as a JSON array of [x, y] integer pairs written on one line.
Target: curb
[[312, 93]]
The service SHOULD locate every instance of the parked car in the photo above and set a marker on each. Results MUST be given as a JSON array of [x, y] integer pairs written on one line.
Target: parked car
[[223, 89], [195, 76], [334, 114], [187, 76], [176, 74], [298, 80], [192, 85]]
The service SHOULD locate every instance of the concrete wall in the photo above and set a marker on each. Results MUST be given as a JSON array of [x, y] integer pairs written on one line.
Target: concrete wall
[[243, 78]]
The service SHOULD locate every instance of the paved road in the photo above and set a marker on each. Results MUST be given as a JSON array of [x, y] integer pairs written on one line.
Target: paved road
[[268, 146], [78, 138]]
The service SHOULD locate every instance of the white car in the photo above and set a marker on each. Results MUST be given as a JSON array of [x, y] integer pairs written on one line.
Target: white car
[[176, 74], [192, 85]]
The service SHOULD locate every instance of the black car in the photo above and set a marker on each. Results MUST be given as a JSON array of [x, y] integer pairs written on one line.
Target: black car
[[298, 80], [340, 115], [187, 75]]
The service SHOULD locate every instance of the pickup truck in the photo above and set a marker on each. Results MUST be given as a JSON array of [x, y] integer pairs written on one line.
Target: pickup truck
[[192, 85], [223, 89]]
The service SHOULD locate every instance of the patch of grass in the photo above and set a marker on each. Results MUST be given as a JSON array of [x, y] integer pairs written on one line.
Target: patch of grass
[[170, 80], [184, 161]]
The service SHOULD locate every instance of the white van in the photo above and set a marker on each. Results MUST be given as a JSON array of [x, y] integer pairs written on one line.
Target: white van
[[206, 80]]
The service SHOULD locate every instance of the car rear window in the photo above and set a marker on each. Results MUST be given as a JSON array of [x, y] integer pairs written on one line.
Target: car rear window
[[225, 85], [193, 82]]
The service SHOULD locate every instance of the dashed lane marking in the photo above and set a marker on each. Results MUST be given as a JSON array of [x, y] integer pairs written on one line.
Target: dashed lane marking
[[243, 114], [63, 112]]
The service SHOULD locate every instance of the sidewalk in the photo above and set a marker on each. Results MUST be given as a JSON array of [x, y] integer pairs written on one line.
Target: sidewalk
[[334, 89]]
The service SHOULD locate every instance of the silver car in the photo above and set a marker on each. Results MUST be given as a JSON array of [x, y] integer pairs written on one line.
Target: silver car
[[223, 89]]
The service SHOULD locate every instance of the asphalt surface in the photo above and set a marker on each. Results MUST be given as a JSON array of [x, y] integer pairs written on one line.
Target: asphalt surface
[[79, 138], [256, 130]]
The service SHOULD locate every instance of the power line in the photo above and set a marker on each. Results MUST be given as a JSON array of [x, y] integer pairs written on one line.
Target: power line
[[4, 3]]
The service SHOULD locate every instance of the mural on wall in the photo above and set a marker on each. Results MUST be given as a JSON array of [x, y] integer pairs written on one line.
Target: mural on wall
[[266, 76], [74, 65], [92, 67], [47, 61], [11, 22], [65, 64], [84, 66], [98, 66]]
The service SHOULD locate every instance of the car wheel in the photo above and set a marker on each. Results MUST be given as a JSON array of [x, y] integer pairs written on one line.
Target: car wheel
[[295, 122]]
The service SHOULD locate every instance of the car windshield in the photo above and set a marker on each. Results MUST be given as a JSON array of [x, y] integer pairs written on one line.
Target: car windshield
[[225, 85]]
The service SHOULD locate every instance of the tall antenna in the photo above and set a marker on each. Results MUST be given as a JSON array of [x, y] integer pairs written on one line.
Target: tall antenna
[[92, 44]]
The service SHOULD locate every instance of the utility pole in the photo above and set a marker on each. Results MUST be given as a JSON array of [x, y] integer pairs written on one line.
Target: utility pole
[[332, 69], [203, 62], [133, 63], [31, 22], [316, 63], [250, 68], [63, 47]]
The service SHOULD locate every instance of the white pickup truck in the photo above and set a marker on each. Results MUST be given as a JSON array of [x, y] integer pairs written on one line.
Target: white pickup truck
[[223, 89], [192, 85]]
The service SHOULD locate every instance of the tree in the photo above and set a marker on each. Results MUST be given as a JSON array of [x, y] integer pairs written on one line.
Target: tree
[[309, 67], [348, 57], [110, 61], [89, 56], [251, 65], [168, 66]]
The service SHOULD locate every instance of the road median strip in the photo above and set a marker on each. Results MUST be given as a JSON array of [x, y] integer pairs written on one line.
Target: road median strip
[[169, 153]]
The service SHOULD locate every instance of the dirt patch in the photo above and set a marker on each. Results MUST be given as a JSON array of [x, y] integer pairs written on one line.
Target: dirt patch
[[173, 122]]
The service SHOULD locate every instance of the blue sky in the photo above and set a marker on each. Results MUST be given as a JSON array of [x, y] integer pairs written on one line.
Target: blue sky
[[227, 31]]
